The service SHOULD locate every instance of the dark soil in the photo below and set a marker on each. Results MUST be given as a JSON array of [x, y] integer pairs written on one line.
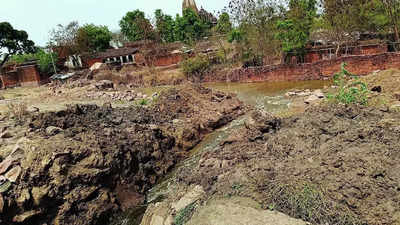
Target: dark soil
[[105, 159], [332, 165]]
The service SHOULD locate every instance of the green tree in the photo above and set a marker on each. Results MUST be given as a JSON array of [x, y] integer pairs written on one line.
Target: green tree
[[165, 26], [13, 42], [92, 38], [135, 26], [189, 27], [224, 24], [294, 31]]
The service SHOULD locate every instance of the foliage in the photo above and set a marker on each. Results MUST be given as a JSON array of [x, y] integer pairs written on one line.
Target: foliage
[[92, 38], [65, 36], [224, 24], [294, 31], [196, 66], [184, 214], [256, 20], [135, 26], [190, 27], [349, 92], [14, 41], [143, 102], [165, 26], [44, 59]]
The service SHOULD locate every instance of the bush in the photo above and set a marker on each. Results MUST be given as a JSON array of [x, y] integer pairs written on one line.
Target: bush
[[44, 60], [196, 66], [350, 89]]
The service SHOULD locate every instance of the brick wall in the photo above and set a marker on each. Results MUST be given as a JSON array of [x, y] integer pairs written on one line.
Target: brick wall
[[360, 65], [167, 60], [23, 76]]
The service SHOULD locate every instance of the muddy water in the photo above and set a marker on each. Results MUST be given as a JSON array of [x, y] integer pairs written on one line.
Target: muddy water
[[268, 96]]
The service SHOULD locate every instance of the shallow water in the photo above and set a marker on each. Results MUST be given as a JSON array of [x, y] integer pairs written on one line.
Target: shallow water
[[267, 95]]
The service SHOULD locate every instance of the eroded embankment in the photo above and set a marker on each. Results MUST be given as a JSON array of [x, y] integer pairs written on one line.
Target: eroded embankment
[[84, 163], [332, 165]]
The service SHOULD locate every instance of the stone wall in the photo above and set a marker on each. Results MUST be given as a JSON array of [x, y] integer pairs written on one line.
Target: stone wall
[[360, 65]]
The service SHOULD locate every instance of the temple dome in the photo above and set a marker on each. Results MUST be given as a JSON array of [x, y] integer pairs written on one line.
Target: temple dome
[[189, 4]]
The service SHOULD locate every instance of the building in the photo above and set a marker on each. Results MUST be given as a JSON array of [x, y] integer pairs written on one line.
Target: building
[[189, 4], [120, 55], [24, 74]]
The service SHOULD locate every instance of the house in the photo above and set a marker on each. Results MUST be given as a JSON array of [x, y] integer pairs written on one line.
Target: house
[[122, 56], [23, 74]]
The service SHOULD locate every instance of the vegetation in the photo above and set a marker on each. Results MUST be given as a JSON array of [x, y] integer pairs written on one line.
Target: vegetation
[[350, 89], [45, 60], [18, 111], [306, 202], [190, 27], [196, 67], [224, 24], [13, 42], [135, 26], [185, 214], [92, 38]]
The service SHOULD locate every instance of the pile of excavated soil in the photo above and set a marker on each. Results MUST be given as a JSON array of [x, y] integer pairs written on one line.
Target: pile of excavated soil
[[331, 165], [386, 81], [82, 164]]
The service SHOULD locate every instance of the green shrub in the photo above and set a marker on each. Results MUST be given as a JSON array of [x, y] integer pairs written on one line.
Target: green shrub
[[196, 66], [44, 60], [350, 89], [184, 214]]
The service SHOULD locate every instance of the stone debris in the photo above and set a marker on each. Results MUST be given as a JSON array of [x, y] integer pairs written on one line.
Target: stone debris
[[128, 96], [13, 174], [51, 131], [104, 84], [6, 134], [195, 194]]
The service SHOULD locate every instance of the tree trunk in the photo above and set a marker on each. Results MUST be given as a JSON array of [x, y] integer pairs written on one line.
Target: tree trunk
[[4, 61]]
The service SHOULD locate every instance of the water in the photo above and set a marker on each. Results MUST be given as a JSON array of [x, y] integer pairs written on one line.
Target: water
[[268, 96]]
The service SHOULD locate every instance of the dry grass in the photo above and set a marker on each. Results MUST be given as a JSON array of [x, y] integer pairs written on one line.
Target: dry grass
[[17, 110]]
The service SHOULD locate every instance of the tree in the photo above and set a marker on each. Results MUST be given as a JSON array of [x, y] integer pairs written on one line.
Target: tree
[[63, 39], [190, 27], [224, 24], [256, 20], [135, 26], [13, 42], [45, 60], [392, 8], [92, 38], [294, 31], [165, 26]]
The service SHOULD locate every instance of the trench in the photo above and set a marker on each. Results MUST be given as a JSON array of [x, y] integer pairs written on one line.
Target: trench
[[268, 96]]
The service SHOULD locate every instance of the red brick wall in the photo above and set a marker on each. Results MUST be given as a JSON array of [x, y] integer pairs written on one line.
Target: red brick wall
[[167, 60], [28, 76], [360, 65], [89, 62], [10, 80]]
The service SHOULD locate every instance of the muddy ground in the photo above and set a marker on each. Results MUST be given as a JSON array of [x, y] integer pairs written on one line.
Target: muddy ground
[[333, 164], [83, 164]]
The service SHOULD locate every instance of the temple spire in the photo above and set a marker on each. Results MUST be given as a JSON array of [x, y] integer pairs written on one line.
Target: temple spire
[[189, 4]]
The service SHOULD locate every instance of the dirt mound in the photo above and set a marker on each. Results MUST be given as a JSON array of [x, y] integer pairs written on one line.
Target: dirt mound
[[387, 82], [332, 165], [102, 159]]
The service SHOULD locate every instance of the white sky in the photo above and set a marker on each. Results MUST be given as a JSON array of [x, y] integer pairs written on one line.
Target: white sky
[[38, 17]]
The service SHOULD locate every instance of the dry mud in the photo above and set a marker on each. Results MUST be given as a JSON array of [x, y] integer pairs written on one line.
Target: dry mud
[[333, 164], [85, 163]]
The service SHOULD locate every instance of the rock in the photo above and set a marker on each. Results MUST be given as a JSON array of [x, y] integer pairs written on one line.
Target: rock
[[319, 93], [192, 196], [377, 89], [26, 215], [38, 194], [6, 134], [33, 109], [13, 174], [5, 165], [397, 96], [51, 131], [157, 214], [311, 99], [24, 197], [104, 85], [239, 211]]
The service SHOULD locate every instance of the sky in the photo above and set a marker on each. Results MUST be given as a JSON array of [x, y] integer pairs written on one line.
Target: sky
[[38, 17]]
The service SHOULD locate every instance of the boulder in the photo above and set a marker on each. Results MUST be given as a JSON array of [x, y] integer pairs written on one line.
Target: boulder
[[51, 131], [192, 196]]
